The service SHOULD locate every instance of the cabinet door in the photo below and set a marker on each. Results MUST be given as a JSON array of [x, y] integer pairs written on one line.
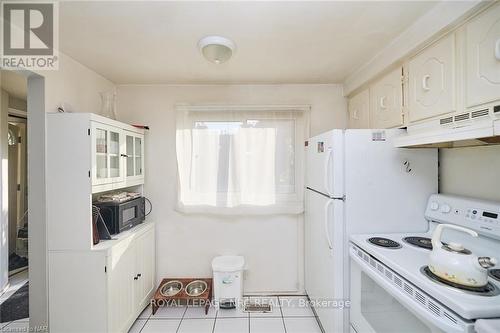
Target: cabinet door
[[129, 155], [358, 110], [386, 107], [106, 144], [432, 80], [145, 264], [139, 156], [134, 156], [483, 58], [121, 287]]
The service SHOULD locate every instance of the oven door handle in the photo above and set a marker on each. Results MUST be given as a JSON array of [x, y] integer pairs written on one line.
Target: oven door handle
[[401, 297]]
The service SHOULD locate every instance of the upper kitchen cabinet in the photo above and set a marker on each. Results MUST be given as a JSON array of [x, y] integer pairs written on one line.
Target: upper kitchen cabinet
[[117, 156], [432, 80], [359, 110], [386, 101], [96, 151], [483, 58]]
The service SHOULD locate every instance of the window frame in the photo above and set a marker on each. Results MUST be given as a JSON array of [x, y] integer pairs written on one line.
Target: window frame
[[300, 134]]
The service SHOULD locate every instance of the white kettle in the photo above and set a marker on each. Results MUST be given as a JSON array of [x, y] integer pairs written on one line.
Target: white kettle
[[457, 264]]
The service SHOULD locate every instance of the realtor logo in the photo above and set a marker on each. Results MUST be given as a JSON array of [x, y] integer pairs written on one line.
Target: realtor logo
[[29, 35]]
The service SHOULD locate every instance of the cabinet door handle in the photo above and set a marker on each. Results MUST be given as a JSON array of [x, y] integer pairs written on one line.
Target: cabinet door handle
[[497, 49], [136, 277], [425, 82], [355, 114], [139, 275], [123, 155], [382, 102]]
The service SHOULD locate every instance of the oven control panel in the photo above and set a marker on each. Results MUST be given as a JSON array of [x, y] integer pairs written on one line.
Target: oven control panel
[[481, 216]]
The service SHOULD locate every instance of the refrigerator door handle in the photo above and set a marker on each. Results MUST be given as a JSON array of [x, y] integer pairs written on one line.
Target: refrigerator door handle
[[327, 229], [327, 171]]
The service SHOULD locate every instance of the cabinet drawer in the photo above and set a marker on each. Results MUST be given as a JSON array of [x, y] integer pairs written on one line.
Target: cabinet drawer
[[432, 80], [483, 58]]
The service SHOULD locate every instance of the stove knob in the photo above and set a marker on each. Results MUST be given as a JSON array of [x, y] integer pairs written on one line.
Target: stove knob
[[434, 205], [445, 209]]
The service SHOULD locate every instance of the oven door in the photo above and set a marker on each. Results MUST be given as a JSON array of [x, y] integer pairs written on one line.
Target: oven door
[[377, 306]]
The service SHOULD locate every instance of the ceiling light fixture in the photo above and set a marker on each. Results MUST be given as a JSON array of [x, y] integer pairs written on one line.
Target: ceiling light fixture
[[216, 49]]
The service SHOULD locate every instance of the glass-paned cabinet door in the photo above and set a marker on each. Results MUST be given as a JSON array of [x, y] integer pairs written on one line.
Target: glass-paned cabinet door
[[134, 155], [138, 156], [106, 142], [114, 154], [129, 142], [101, 169]]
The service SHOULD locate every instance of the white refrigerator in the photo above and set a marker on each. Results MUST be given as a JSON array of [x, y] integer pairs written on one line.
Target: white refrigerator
[[357, 182]]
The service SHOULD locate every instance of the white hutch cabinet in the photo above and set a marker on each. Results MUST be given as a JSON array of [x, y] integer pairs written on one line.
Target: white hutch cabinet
[[102, 287]]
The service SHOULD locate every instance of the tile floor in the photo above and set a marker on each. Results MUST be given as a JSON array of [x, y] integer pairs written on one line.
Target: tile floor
[[16, 281], [289, 315]]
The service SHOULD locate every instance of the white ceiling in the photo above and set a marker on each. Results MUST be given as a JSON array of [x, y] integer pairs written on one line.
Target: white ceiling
[[15, 84], [277, 42]]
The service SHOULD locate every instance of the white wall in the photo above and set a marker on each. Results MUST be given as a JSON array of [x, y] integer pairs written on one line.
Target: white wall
[[17, 103], [186, 244], [472, 171], [74, 86]]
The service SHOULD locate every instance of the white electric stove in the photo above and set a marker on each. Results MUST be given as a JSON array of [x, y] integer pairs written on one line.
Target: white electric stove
[[391, 289]]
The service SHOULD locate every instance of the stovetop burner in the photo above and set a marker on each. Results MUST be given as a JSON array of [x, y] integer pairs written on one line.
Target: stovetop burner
[[384, 242], [487, 290], [495, 273], [423, 242]]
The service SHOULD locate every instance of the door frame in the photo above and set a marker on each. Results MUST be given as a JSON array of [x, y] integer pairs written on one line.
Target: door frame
[[37, 215], [22, 200]]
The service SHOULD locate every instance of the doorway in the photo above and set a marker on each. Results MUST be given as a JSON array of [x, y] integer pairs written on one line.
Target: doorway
[[14, 299], [18, 194]]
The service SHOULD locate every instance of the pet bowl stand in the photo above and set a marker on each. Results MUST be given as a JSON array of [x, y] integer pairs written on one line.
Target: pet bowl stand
[[204, 298]]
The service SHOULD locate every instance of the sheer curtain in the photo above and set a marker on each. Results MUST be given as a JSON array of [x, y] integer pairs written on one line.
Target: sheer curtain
[[241, 159]]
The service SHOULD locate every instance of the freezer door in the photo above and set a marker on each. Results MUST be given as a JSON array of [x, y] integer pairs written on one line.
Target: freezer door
[[323, 258], [324, 161]]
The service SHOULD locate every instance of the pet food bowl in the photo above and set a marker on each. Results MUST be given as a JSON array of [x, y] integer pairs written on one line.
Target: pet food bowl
[[171, 288], [196, 288]]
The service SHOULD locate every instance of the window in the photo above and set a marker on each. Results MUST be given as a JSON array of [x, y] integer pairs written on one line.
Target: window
[[240, 161]]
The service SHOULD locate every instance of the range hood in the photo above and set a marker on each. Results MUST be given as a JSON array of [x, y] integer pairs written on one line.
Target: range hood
[[475, 128]]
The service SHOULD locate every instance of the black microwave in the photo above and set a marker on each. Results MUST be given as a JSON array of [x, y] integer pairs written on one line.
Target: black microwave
[[120, 216]]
